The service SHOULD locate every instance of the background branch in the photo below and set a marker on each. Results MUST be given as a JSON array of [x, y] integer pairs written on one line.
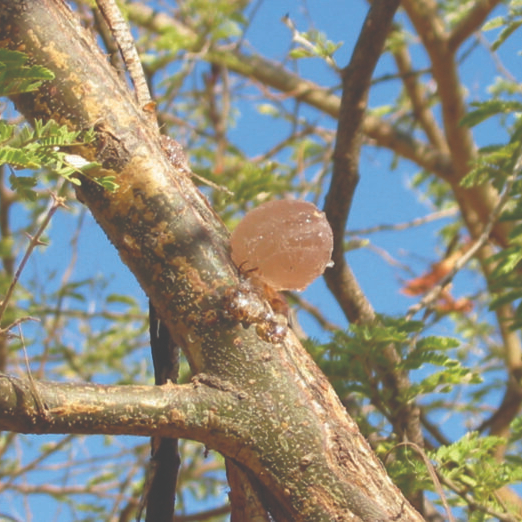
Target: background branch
[[470, 23]]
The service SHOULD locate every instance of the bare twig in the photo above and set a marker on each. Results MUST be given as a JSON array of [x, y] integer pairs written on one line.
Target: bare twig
[[54, 331], [315, 312], [501, 68], [50, 450], [449, 212], [386, 256], [34, 242], [122, 35], [37, 398], [16, 323], [110, 44], [269, 74], [418, 99], [433, 475]]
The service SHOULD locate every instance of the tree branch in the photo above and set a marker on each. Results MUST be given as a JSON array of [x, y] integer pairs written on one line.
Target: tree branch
[[430, 28], [339, 278], [419, 103], [356, 79], [321, 98], [159, 492], [470, 23], [168, 410], [123, 37], [478, 244]]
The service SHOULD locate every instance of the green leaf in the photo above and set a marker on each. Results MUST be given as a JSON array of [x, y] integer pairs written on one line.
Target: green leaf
[[23, 185], [508, 260], [44, 146], [301, 52], [6, 131], [437, 343], [505, 298], [516, 233], [120, 298], [445, 380], [107, 182], [16, 77], [494, 23], [17, 158], [487, 109], [505, 34]]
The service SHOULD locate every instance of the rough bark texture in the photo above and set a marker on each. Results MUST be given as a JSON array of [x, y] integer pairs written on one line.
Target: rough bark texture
[[264, 405]]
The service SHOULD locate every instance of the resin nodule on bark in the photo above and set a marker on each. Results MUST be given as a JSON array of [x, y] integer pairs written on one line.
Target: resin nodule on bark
[[286, 243]]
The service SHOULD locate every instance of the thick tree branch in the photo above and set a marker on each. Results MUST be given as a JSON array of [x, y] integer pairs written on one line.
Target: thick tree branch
[[430, 28], [123, 37], [478, 203], [381, 133], [162, 474]]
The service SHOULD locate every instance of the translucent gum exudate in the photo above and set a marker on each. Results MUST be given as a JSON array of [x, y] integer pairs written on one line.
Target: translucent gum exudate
[[286, 243]]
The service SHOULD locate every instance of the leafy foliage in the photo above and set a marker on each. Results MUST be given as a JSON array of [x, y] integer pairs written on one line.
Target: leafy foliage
[[17, 77], [42, 147], [353, 358], [314, 44], [508, 23]]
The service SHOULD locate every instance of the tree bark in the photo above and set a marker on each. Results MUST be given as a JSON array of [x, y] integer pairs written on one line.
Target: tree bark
[[267, 406]]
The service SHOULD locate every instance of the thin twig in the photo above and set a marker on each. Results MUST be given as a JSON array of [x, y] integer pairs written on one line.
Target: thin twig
[[9, 483], [435, 292], [433, 475], [387, 257], [313, 311], [17, 322], [54, 331], [499, 66], [298, 38], [37, 397], [265, 74], [34, 242], [404, 226], [418, 99], [121, 33]]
